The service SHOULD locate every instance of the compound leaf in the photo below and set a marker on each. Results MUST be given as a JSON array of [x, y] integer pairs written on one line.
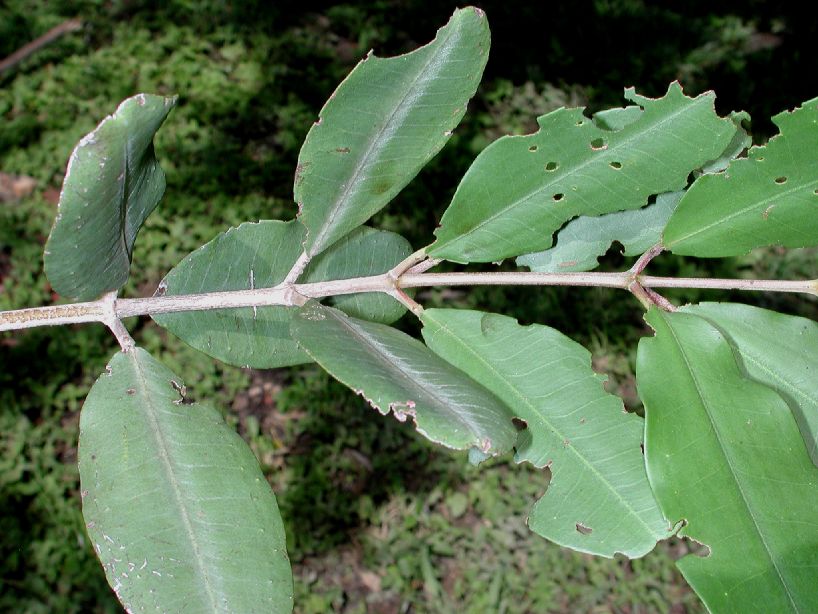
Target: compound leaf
[[175, 503], [383, 124], [112, 184], [768, 198], [584, 239], [724, 454], [778, 350], [521, 189], [396, 372], [599, 500], [259, 255]]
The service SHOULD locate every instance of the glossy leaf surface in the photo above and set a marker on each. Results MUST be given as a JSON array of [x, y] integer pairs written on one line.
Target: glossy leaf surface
[[176, 506], [584, 239], [396, 372], [112, 184], [768, 198], [599, 500], [521, 189], [383, 124], [724, 454], [778, 350], [259, 255]]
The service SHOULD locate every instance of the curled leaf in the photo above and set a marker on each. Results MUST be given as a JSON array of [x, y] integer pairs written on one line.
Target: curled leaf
[[112, 184]]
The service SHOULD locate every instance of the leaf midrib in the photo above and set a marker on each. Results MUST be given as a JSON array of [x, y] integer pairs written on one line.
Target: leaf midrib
[[757, 204], [167, 465], [339, 202], [729, 460], [369, 342]]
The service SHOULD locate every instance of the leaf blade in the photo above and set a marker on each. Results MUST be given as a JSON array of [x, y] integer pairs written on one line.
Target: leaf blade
[[768, 198], [351, 166], [576, 429], [112, 184], [163, 483], [520, 190], [763, 342], [394, 371], [715, 436], [584, 239]]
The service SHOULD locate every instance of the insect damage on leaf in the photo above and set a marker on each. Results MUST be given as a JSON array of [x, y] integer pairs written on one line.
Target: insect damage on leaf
[[522, 189]]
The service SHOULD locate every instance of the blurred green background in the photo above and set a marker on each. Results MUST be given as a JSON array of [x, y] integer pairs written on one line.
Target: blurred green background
[[378, 519]]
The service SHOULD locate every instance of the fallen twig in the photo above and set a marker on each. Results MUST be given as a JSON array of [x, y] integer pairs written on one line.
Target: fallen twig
[[72, 25]]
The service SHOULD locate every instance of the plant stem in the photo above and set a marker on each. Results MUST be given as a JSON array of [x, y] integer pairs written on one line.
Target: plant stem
[[808, 286], [298, 294], [608, 280]]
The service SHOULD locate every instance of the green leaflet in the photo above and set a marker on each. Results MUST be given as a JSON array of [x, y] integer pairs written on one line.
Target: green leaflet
[[769, 198], [584, 239], [112, 184], [259, 255], [393, 371], [724, 453], [174, 501], [777, 350], [383, 124], [520, 190], [599, 500]]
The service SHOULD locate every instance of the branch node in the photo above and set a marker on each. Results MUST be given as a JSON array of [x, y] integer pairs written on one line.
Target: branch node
[[405, 265], [293, 297], [112, 321]]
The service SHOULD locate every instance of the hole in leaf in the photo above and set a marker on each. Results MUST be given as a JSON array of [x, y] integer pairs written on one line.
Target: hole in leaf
[[616, 165], [780, 180], [815, 191], [519, 424], [598, 144], [581, 528], [533, 148], [551, 166], [558, 197], [580, 122], [697, 548]]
